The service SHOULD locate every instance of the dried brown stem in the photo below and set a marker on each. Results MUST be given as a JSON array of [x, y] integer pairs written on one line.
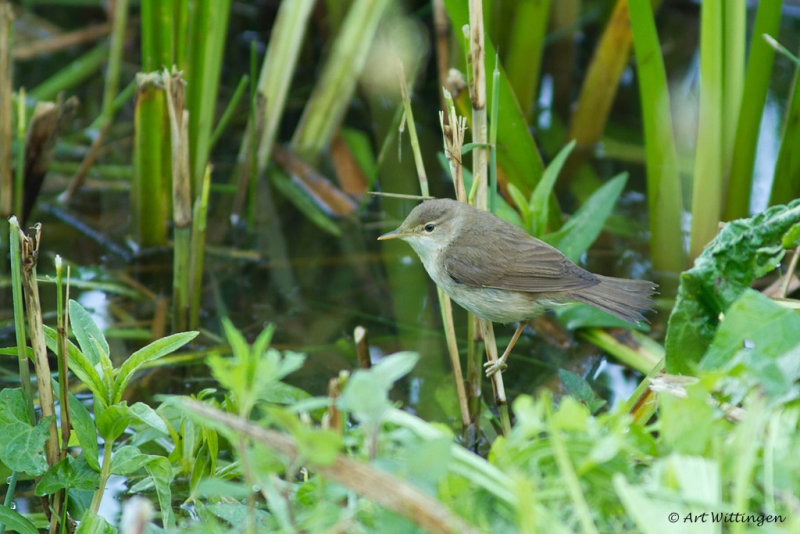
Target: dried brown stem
[[387, 490], [29, 252], [59, 42]]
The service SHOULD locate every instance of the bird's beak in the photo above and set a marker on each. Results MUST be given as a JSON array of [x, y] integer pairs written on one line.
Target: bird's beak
[[394, 234]]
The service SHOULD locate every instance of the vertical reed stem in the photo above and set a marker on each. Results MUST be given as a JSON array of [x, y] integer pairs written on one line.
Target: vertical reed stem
[[6, 183]]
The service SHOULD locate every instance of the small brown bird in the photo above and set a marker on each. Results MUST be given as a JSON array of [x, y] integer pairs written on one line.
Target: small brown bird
[[499, 272]]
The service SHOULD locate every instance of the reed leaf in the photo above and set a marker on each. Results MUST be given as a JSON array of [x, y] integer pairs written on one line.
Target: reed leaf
[[786, 181], [332, 93], [523, 58], [663, 179], [754, 95], [600, 85]]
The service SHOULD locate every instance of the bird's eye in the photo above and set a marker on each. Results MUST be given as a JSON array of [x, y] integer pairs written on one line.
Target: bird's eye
[[429, 227]]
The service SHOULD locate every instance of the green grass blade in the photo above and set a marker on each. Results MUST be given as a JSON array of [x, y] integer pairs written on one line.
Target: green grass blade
[[72, 74], [229, 109], [663, 179], [120, 20], [754, 95], [539, 204]]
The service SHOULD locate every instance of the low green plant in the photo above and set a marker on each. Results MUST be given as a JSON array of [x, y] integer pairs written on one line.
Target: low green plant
[[22, 440]]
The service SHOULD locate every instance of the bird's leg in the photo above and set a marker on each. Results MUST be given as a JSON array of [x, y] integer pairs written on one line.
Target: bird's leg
[[500, 364]]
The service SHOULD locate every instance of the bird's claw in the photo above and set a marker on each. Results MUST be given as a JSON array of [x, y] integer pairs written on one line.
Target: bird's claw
[[494, 367]]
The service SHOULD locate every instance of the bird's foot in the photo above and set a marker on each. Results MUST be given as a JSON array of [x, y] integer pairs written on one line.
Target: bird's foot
[[494, 367]]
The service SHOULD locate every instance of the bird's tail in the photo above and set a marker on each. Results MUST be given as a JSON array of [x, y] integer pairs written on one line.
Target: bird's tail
[[624, 298]]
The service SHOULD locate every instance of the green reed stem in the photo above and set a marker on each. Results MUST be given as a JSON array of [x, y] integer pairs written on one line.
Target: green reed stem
[[157, 18], [198, 250], [19, 316], [253, 131], [707, 183], [151, 169], [6, 114], [494, 118], [19, 174], [208, 30], [61, 357]]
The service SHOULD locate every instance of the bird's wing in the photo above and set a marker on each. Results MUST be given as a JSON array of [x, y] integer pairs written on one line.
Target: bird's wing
[[514, 261]]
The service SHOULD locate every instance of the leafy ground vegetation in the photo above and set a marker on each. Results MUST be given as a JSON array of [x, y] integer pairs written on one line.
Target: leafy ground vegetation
[[707, 440]]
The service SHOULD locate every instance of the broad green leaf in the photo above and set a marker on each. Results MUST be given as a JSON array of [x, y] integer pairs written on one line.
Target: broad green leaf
[[94, 524], [113, 421], [80, 365], [91, 340], [160, 470], [318, 446], [577, 315], [149, 416], [84, 429], [153, 351], [394, 367], [128, 459], [236, 340], [576, 386], [209, 488], [744, 250], [580, 231], [68, 473], [16, 521], [540, 198], [366, 393], [282, 393], [21, 445], [261, 344], [200, 469], [756, 323], [429, 461]]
